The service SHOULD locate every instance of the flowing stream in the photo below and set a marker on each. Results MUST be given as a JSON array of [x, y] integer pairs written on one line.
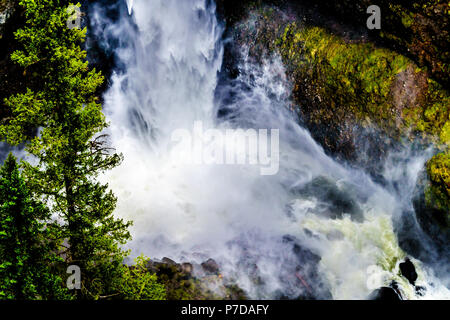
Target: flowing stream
[[314, 229]]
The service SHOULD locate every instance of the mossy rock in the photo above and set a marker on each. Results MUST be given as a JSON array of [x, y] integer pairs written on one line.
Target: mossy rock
[[437, 194], [181, 284], [345, 87], [418, 29], [432, 205], [372, 84]]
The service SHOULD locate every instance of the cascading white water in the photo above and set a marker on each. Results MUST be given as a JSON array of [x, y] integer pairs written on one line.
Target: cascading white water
[[171, 52], [130, 6]]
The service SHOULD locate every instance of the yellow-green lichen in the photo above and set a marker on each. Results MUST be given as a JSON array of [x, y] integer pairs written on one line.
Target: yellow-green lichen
[[438, 193], [357, 76]]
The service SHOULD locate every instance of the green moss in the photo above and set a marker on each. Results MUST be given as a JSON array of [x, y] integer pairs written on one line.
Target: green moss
[[182, 285], [436, 112], [445, 133], [438, 193], [407, 20], [355, 76], [360, 77], [418, 29]]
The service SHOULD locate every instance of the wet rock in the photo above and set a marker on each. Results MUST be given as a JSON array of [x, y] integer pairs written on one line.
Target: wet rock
[[303, 254], [385, 293], [187, 268], [420, 291], [357, 99], [305, 274], [167, 270], [7, 8], [337, 200], [183, 283], [416, 28], [408, 271], [235, 293], [169, 261], [433, 219], [210, 266]]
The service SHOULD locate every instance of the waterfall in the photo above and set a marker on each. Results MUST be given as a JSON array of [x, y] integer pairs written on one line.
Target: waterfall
[[280, 228], [130, 6]]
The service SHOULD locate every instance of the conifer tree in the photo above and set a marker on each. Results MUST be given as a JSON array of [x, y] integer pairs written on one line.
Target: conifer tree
[[27, 256], [70, 147]]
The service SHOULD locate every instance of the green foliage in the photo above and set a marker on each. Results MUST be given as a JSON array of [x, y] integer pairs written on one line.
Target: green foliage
[[70, 149], [139, 284], [27, 257]]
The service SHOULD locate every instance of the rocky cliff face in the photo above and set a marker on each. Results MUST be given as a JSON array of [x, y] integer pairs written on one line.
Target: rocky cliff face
[[362, 92], [417, 29]]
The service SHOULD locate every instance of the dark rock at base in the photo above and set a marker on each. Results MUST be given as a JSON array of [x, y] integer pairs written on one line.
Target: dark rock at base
[[187, 268], [408, 271], [306, 273], [420, 291], [235, 293], [385, 293], [339, 201], [182, 284], [169, 261], [432, 220], [302, 253], [210, 266], [168, 268]]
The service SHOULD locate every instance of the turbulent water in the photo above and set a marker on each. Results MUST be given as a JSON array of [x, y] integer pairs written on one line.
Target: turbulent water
[[315, 229]]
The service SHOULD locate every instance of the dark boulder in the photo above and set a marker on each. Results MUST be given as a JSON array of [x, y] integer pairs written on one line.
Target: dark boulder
[[210, 266], [169, 262], [433, 219], [338, 200], [408, 271], [187, 268], [305, 274], [386, 294]]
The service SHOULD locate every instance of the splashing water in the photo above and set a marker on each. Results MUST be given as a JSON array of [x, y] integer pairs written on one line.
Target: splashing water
[[130, 6], [272, 226]]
